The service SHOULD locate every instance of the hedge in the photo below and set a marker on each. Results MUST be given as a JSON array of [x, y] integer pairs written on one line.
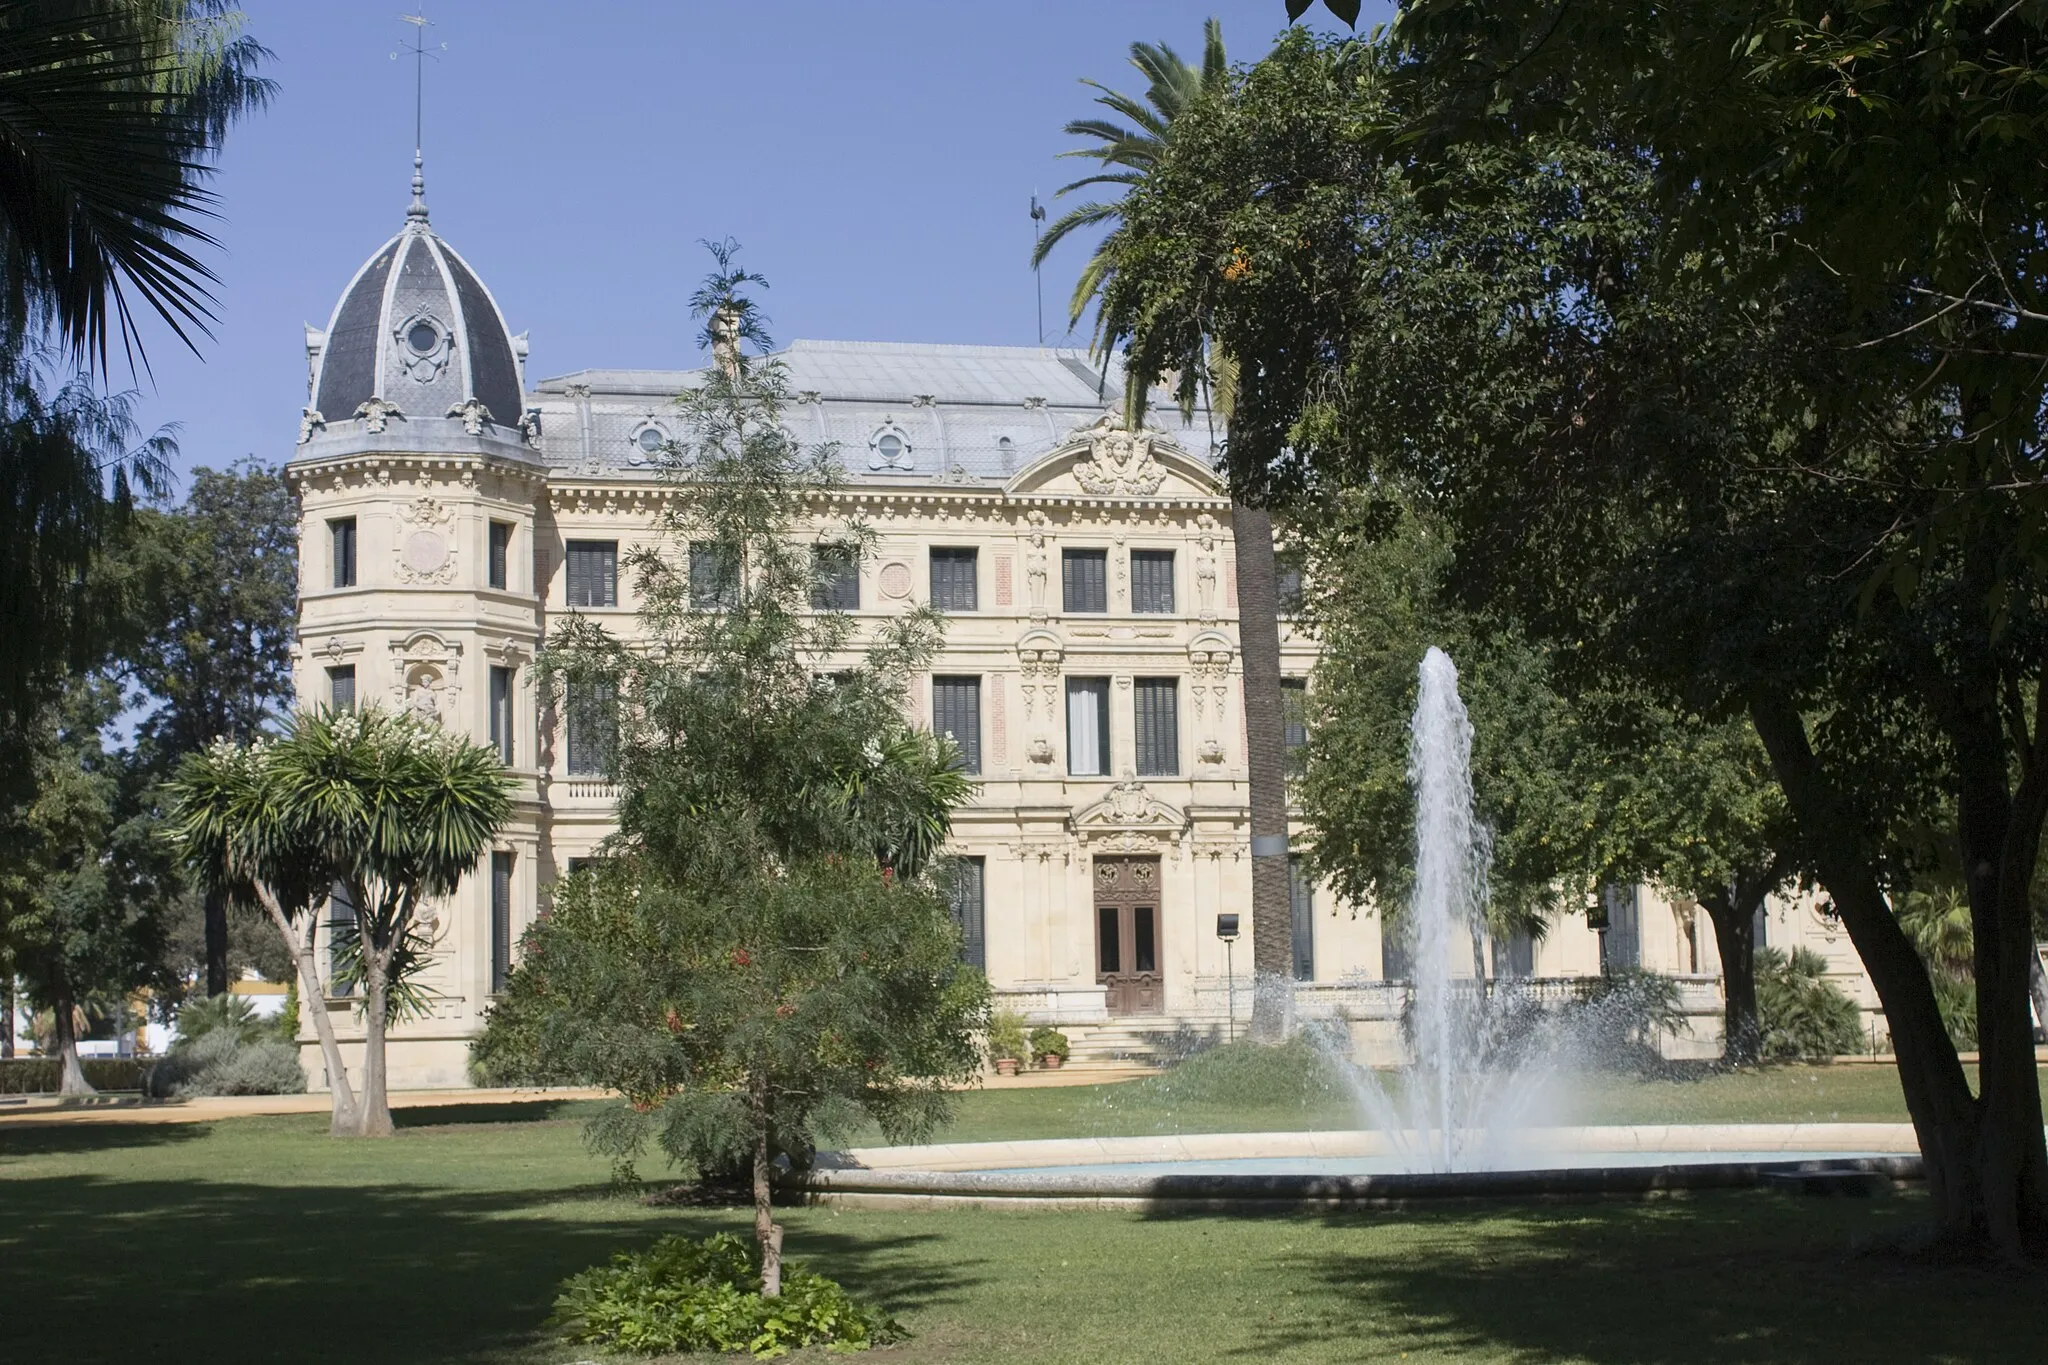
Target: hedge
[[42, 1075]]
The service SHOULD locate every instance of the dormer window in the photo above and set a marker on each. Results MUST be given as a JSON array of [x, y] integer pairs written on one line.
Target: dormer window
[[891, 447], [422, 338], [650, 440]]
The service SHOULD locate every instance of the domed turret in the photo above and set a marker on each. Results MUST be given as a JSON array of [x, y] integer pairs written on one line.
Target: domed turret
[[416, 335]]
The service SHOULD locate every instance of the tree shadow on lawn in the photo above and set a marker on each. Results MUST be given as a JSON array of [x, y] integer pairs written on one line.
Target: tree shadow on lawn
[[72, 1139], [163, 1270], [505, 1111], [1749, 1276]]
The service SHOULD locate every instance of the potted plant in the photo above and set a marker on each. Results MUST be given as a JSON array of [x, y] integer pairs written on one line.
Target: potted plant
[[1050, 1046], [1006, 1042]]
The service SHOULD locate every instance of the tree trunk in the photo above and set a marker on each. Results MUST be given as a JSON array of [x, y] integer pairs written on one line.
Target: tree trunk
[[373, 1113], [766, 1230], [64, 1019], [216, 943], [313, 1000], [1258, 633], [1938, 1097], [7, 1022], [1735, 937], [2037, 984], [2000, 834]]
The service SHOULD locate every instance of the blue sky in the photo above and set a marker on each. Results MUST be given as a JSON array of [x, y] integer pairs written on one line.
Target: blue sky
[[875, 158]]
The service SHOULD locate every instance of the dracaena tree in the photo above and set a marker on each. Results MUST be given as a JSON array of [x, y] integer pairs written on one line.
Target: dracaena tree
[[769, 950], [393, 810]]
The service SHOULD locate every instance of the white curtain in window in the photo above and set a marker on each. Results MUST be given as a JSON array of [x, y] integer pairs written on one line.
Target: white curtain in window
[[1084, 728]]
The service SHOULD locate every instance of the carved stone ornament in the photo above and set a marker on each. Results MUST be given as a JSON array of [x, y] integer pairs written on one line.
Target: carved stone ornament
[[426, 674], [1039, 750], [1119, 460], [1130, 818], [529, 427], [310, 421], [894, 579], [473, 414], [423, 554], [423, 364], [376, 412]]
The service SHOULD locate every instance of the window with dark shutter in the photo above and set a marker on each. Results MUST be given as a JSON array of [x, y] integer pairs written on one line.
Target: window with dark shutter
[[714, 586], [501, 713], [1302, 893], [501, 921], [501, 554], [341, 932], [342, 532], [1084, 580], [1294, 714], [1088, 726], [835, 578], [593, 573], [1152, 581], [956, 711], [955, 581], [1287, 583], [968, 893], [591, 726], [341, 687], [1155, 708]]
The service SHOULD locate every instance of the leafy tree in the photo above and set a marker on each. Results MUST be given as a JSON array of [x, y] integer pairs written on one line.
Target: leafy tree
[[81, 885], [117, 109], [215, 660], [1578, 788], [1129, 157], [768, 951], [392, 810]]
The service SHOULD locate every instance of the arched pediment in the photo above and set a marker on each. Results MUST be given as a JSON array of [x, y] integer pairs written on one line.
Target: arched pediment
[[1110, 460]]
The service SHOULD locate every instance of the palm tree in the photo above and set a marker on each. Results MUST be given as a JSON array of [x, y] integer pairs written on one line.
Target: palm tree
[[1129, 154], [392, 810]]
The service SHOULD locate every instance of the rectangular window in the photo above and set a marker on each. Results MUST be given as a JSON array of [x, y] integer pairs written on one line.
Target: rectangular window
[[501, 713], [1155, 714], [1294, 716], [1088, 726], [714, 586], [1152, 581], [835, 578], [969, 912], [1302, 893], [955, 580], [341, 932], [501, 554], [341, 687], [1515, 956], [593, 573], [591, 726], [1287, 583], [956, 712], [342, 532], [1621, 942], [501, 921], [1395, 964], [1084, 580]]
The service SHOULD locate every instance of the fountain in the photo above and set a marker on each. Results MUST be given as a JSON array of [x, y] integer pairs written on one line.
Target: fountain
[[1476, 1110]]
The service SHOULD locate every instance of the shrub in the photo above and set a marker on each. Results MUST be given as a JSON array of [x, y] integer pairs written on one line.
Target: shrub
[[1050, 1042], [42, 1075], [1006, 1036], [219, 1063], [1294, 1072], [683, 1295], [220, 1013], [1801, 1014]]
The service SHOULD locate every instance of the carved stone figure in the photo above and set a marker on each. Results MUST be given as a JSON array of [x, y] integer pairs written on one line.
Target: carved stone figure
[[310, 421], [376, 412], [473, 414], [1119, 460]]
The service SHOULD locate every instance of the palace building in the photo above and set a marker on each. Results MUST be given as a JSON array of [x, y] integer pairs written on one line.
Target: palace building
[[453, 508]]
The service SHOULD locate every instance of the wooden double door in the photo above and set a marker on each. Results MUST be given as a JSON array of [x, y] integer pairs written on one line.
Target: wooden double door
[[1127, 923]]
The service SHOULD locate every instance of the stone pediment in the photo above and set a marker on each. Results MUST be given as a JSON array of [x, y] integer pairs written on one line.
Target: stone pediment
[[1108, 460], [1130, 818]]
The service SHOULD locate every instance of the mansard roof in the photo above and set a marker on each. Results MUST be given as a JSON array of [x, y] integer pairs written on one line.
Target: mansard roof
[[900, 413]]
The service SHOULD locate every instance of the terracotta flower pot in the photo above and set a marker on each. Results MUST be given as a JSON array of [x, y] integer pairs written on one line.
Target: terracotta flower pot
[[1006, 1066], [1051, 1061]]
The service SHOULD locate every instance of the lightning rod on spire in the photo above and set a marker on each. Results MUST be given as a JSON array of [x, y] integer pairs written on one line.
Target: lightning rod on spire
[[420, 53]]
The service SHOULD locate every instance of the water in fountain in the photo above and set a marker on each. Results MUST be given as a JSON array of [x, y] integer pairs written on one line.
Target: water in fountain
[[1467, 1097]]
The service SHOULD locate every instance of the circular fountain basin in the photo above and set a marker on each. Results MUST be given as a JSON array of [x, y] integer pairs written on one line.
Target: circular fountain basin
[[1246, 1171]]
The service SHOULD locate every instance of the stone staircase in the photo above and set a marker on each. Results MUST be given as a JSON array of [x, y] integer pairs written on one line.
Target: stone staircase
[[1133, 1042]]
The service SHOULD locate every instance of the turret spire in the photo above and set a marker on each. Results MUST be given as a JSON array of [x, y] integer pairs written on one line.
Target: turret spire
[[418, 212]]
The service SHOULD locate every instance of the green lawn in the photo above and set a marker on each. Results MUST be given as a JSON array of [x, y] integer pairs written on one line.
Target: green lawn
[[262, 1239]]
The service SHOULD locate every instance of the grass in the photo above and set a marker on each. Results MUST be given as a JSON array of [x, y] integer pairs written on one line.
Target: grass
[[262, 1239]]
